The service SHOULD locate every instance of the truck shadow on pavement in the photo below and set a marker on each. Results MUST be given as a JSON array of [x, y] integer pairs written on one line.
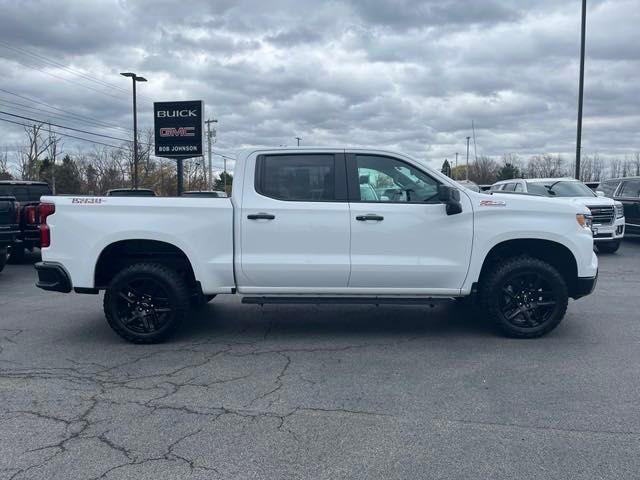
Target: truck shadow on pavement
[[234, 319]]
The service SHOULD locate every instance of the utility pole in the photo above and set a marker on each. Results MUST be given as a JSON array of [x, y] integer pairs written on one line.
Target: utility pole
[[581, 88], [298, 139], [467, 169], [209, 135]]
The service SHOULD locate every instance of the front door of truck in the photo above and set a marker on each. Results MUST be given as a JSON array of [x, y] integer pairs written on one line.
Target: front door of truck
[[401, 236], [295, 224]]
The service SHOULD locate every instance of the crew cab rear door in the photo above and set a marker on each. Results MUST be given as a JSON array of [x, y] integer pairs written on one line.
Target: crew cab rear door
[[402, 240], [294, 224]]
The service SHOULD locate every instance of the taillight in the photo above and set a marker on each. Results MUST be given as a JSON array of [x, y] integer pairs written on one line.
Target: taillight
[[46, 209], [30, 214]]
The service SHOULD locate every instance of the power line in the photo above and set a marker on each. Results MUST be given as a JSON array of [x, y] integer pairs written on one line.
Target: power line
[[48, 61], [84, 117], [64, 134], [62, 116], [65, 127]]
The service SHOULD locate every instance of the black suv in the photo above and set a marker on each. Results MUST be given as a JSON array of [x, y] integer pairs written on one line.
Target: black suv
[[27, 195], [627, 191], [8, 226]]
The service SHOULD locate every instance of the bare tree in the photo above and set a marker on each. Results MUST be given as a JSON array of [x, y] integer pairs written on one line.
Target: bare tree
[[29, 154]]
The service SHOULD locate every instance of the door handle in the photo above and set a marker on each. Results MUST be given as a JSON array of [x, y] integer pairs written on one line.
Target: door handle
[[261, 216], [370, 216]]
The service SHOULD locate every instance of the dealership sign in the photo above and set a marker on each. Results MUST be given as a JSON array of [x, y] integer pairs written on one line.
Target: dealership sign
[[178, 128]]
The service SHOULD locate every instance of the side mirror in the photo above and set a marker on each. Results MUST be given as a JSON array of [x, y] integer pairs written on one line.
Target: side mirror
[[451, 198], [600, 193]]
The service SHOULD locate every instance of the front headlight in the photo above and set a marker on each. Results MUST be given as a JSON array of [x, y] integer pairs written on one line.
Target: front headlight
[[584, 220], [619, 210]]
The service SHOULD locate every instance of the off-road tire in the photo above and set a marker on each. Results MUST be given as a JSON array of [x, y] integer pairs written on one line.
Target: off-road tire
[[16, 253], [608, 247], [171, 285], [3, 258], [495, 290]]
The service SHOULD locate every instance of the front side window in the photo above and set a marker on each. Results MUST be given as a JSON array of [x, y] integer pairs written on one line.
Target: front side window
[[631, 189], [519, 187], [385, 179], [302, 178], [509, 187]]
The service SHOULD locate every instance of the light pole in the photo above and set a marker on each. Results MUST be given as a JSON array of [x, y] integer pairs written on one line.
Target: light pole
[[467, 169], [298, 139], [581, 88], [209, 135], [456, 165], [135, 78]]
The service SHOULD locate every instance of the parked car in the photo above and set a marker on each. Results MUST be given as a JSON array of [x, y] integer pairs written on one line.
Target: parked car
[[627, 191], [130, 192], [204, 193], [27, 195], [9, 226], [608, 222], [298, 231]]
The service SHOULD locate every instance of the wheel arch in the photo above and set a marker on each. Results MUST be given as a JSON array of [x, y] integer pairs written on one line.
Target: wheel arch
[[122, 253], [552, 252]]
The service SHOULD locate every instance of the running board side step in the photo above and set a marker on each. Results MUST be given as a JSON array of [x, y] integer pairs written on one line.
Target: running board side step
[[345, 300]]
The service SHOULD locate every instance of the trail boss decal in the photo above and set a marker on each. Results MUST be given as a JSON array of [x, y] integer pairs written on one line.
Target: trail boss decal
[[493, 203], [88, 200]]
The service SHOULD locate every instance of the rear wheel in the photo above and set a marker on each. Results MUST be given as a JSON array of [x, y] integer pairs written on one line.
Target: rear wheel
[[16, 253], [3, 257], [146, 303], [525, 297], [608, 247]]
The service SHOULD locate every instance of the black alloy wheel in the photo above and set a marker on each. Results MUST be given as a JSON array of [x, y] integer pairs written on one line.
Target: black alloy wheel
[[146, 303], [525, 297]]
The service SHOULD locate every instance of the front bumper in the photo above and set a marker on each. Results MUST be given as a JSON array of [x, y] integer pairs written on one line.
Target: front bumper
[[52, 277], [607, 233], [584, 286]]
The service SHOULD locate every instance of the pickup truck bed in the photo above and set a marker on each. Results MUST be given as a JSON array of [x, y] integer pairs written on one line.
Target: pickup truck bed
[[318, 225]]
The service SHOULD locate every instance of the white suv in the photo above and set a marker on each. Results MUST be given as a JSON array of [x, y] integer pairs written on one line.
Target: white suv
[[608, 214]]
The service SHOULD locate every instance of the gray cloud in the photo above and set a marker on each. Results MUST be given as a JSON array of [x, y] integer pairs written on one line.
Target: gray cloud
[[398, 74]]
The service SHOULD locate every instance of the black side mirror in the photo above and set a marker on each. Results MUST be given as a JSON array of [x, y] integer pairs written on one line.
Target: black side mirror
[[450, 196]]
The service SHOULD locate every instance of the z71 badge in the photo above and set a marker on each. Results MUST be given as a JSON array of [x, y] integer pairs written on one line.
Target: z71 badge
[[493, 203], [88, 200]]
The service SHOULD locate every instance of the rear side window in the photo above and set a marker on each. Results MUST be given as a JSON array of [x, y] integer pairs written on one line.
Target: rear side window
[[302, 178], [630, 189]]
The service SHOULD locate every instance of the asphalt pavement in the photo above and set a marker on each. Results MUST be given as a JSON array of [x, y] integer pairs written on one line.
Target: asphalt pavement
[[321, 392]]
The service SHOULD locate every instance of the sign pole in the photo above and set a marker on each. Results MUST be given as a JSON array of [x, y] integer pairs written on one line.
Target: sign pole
[[180, 174]]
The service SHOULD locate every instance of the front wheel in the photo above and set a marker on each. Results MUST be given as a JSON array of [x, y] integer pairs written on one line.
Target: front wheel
[[146, 303], [525, 297], [608, 247]]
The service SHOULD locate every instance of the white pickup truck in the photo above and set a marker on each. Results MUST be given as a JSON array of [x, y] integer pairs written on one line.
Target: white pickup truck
[[321, 225]]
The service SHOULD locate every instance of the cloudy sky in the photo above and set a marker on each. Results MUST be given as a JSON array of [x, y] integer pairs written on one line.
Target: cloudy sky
[[402, 74]]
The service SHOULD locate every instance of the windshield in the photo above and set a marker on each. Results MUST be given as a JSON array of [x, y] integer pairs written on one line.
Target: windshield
[[560, 188]]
